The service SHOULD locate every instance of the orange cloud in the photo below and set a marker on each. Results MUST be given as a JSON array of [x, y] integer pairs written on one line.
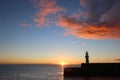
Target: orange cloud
[[95, 20], [87, 30], [46, 8], [117, 59]]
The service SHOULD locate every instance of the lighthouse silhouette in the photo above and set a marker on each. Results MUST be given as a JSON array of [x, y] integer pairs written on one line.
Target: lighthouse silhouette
[[87, 57]]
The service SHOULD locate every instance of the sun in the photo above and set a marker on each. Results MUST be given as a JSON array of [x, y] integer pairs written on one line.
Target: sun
[[63, 63]]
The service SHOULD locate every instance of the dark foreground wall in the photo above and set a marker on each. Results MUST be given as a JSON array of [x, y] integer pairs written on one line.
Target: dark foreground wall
[[93, 69]]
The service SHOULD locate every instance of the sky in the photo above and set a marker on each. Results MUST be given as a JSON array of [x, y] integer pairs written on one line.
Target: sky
[[55, 31]]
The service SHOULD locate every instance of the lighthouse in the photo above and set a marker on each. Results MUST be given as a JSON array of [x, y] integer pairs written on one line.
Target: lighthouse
[[87, 57]]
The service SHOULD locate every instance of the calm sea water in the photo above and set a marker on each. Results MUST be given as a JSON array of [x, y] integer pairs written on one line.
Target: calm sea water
[[39, 72]]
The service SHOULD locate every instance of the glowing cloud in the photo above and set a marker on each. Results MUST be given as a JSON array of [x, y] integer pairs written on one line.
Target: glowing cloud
[[46, 8], [99, 21], [95, 19]]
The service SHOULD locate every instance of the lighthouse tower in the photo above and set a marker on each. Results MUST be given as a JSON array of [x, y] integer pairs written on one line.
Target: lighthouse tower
[[87, 57]]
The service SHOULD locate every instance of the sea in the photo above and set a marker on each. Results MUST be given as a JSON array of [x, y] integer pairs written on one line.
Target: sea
[[40, 72]]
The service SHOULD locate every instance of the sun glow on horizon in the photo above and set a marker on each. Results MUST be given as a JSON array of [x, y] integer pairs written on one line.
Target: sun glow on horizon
[[63, 63]]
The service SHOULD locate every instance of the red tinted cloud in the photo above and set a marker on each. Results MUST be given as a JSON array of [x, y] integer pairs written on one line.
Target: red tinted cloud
[[46, 8], [95, 19], [88, 31], [98, 20]]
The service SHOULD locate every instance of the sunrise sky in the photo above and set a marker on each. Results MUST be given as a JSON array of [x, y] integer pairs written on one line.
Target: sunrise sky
[[59, 31]]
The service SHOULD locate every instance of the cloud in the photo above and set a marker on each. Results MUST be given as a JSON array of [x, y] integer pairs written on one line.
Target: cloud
[[83, 2], [83, 44], [55, 31], [24, 24], [95, 19], [46, 8], [101, 20], [117, 59]]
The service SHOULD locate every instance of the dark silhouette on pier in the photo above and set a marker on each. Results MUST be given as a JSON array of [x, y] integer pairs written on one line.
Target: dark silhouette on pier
[[87, 58], [93, 69]]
